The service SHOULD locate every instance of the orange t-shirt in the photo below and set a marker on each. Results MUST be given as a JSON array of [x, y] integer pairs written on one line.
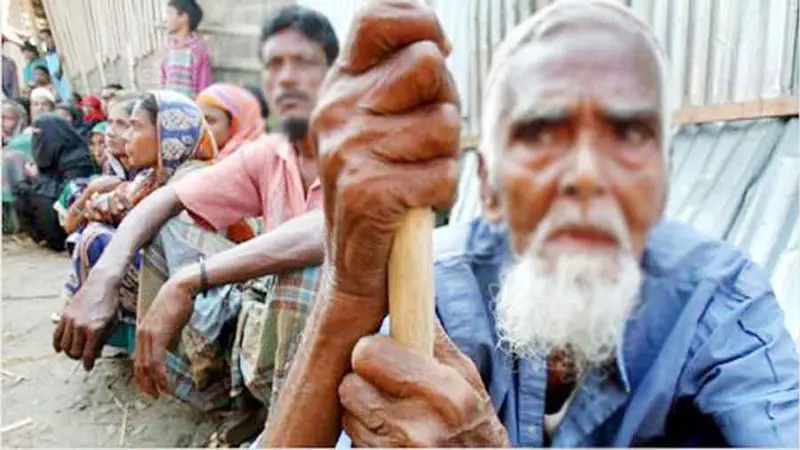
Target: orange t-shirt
[[261, 179]]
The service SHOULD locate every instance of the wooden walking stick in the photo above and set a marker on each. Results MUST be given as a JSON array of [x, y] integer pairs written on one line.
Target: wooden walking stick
[[411, 297]]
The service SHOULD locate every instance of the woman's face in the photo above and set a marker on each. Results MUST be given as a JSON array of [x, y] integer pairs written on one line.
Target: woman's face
[[118, 124], [219, 122], [9, 121], [64, 114], [142, 145], [39, 107], [97, 145]]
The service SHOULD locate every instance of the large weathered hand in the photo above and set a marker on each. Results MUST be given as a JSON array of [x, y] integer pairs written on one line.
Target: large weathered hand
[[387, 132], [398, 397], [87, 319]]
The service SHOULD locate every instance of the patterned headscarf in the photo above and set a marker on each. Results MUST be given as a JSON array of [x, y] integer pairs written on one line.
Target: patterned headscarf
[[244, 109], [183, 135]]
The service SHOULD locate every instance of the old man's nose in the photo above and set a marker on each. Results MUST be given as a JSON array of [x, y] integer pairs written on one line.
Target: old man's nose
[[583, 179]]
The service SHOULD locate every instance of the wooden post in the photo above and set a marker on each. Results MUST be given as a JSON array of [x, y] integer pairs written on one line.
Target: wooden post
[[411, 289]]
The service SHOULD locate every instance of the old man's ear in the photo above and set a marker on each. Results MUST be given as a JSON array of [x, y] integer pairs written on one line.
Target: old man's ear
[[490, 200]]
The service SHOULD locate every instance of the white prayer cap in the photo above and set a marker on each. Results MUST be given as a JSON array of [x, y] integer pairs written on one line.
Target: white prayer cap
[[42, 94]]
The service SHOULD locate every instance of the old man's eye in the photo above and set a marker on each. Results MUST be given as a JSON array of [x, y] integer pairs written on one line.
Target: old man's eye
[[633, 132], [536, 133]]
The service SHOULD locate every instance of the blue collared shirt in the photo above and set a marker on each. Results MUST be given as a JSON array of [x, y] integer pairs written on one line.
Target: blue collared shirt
[[706, 360]]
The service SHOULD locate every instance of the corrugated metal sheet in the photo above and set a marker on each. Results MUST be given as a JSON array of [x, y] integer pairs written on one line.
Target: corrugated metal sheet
[[720, 51], [112, 35], [740, 181], [737, 181]]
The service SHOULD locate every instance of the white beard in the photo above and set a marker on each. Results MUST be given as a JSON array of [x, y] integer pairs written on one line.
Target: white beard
[[568, 299]]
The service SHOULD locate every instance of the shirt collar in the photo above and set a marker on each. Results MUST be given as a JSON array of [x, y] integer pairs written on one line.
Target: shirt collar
[[284, 148], [286, 151]]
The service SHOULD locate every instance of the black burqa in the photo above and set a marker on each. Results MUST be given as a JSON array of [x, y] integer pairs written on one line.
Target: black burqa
[[61, 155]]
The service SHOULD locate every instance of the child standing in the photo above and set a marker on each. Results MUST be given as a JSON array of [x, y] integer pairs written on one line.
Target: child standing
[[186, 67]]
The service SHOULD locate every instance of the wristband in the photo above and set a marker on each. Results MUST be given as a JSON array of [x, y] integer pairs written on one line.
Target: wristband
[[203, 276]]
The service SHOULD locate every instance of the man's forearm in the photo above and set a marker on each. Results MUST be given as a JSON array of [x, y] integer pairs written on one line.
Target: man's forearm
[[294, 244], [308, 413], [138, 228]]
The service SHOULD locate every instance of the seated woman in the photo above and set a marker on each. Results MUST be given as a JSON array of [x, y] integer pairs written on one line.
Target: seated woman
[[108, 147], [166, 138], [69, 217], [92, 109], [234, 117], [16, 153], [60, 155], [73, 115], [233, 114]]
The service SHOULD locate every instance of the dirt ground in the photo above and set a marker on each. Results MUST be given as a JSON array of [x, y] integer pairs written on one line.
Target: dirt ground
[[49, 400]]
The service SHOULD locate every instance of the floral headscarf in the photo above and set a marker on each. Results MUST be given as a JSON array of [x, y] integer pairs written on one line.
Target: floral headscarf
[[183, 137], [244, 109]]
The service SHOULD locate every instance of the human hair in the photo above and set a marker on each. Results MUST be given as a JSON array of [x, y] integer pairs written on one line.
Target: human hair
[[43, 69], [149, 104], [262, 103], [312, 24], [191, 9], [114, 86], [28, 47], [129, 100]]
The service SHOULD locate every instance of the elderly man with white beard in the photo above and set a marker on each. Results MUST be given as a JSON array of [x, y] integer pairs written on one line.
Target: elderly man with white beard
[[572, 313]]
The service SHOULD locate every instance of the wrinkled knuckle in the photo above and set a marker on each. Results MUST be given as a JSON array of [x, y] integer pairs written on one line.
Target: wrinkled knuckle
[[427, 57], [362, 352], [463, 399], [451, 118], [449, 129], [347, 387], [416, 437]]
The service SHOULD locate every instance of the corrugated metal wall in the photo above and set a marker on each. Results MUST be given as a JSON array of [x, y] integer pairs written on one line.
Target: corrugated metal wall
[[106, 41], [740, 181], [720, 51], [122, 40]]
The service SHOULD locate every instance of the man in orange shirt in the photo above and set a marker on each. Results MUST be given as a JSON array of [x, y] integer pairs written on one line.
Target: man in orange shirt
[[274, 178]]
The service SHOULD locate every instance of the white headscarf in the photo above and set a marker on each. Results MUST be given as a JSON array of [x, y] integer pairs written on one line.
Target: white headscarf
[[529, 31]]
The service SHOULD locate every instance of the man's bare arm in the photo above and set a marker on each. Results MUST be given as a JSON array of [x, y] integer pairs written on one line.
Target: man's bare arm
[[308, 412], [294, 244]]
